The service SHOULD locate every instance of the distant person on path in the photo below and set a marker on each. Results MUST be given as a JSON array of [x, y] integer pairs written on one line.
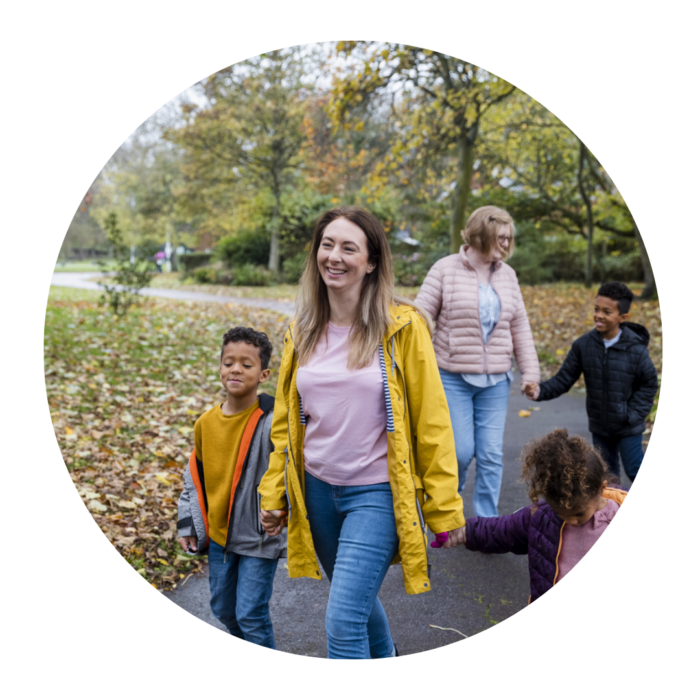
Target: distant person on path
[[621, 380], [480, 321], [364, 455], [218, 510]]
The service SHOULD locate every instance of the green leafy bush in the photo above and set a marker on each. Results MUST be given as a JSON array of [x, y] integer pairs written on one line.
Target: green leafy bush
[[247, 247], [121, 289], [293, 267], [189, 261], [252, 276], [203, 275]]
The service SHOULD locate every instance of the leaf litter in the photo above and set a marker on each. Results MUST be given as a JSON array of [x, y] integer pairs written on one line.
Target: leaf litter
[[124, 394]]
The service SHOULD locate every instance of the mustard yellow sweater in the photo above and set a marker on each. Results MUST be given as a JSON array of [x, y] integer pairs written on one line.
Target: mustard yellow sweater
[[217, 440]]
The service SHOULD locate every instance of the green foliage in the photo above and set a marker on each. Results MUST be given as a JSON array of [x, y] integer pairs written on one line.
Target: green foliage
[[251, 276], [122, 288], [245, 247], [292, 268], [189, 261], [543, 258], [204, 275]]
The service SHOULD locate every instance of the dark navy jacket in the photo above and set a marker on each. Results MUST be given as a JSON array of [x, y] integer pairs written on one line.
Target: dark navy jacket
[[621, 381]]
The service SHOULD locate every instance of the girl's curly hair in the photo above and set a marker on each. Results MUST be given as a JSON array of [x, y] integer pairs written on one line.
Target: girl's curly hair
[[563, 470]]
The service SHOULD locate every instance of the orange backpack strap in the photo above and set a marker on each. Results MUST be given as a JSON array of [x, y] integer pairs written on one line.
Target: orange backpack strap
[[243, 453], [194, 473]]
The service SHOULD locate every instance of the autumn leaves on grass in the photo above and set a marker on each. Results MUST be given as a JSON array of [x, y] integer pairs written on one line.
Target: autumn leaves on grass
[[124, 395]]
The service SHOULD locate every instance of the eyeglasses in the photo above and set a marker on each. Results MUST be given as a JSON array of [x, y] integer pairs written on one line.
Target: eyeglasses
[[505, 240]]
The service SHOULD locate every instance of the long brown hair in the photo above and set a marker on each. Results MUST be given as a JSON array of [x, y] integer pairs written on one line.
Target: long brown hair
[[377, 296]]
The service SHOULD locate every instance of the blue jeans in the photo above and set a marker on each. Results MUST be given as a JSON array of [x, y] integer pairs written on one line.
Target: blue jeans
[[240, 589], [354, 534], [629, 448], [478, 420]]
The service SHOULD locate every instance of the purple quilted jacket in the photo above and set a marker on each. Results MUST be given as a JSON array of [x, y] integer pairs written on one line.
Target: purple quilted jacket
[[535, 531]]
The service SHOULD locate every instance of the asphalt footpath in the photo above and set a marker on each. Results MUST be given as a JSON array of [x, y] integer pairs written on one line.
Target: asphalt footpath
[[471, 591]]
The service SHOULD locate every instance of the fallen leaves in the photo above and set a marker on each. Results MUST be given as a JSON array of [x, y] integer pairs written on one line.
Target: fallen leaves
[[123, 411], [524, 414]]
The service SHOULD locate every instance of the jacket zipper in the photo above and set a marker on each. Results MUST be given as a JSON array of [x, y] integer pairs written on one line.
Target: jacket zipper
[[605, 388], [556, 561], [415, 491]]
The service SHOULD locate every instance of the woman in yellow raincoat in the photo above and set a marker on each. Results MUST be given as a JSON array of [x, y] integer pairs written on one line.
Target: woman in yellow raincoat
[[364, 458]]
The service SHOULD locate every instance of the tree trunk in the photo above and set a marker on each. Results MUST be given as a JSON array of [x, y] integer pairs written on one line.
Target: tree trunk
[[603, 258], [274, 261], [589, 215], [649, 291], [462, 191]]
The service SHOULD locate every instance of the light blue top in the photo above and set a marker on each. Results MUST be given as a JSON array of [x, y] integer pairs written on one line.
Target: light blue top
[[489, 313], [612, 341]]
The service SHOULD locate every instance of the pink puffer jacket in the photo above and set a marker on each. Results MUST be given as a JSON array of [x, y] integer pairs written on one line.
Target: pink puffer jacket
[[450, 294]]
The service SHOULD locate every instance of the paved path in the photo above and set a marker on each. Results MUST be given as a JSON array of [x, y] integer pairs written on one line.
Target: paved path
[[82, 280], [470, 591]]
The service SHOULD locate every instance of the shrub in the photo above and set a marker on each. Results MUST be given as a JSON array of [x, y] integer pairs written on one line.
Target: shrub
[[252, 276], [529, 263], [204, 275], [410, 270], [122, 288], [189, 261], [293, 267], [247, 247]]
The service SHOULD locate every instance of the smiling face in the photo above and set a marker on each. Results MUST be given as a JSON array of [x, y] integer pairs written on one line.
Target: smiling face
[[607, 317], [241, 370], [343, 258]]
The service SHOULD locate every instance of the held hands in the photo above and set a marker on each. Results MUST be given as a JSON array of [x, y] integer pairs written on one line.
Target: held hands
[[273, 521], [451, 538], [189, 544], [532, 390]]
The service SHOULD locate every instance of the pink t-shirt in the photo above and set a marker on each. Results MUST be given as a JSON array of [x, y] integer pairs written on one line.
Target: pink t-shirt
[[345, 442], [577, 541]]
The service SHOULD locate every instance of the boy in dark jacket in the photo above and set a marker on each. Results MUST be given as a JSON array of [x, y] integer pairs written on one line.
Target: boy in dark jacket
[[621, 380], [219, 509]]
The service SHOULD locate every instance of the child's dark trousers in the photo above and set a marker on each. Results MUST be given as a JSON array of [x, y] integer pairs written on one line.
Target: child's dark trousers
[[628, 448]]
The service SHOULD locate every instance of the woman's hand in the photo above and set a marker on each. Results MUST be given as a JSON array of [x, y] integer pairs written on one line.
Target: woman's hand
[[532, 390], [273, 521], [456, 537]]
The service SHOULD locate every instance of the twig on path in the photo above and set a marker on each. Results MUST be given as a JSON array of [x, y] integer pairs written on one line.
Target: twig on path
[[446, 629], [186, 580]]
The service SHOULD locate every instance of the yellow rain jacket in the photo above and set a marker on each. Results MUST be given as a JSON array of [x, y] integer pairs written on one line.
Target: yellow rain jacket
[[421, 453]]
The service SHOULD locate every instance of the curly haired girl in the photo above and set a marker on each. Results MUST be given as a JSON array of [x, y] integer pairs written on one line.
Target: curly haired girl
[[573, 502]]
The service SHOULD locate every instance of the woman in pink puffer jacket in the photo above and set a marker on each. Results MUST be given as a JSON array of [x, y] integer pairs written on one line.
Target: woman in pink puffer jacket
[[480, 321]]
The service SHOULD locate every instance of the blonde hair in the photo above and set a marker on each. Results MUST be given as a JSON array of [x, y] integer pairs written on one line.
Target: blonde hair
[[373, 313], [481, 231]]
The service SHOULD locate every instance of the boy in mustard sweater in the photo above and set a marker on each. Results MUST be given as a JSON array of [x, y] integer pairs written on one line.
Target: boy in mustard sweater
[[219, 509]]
